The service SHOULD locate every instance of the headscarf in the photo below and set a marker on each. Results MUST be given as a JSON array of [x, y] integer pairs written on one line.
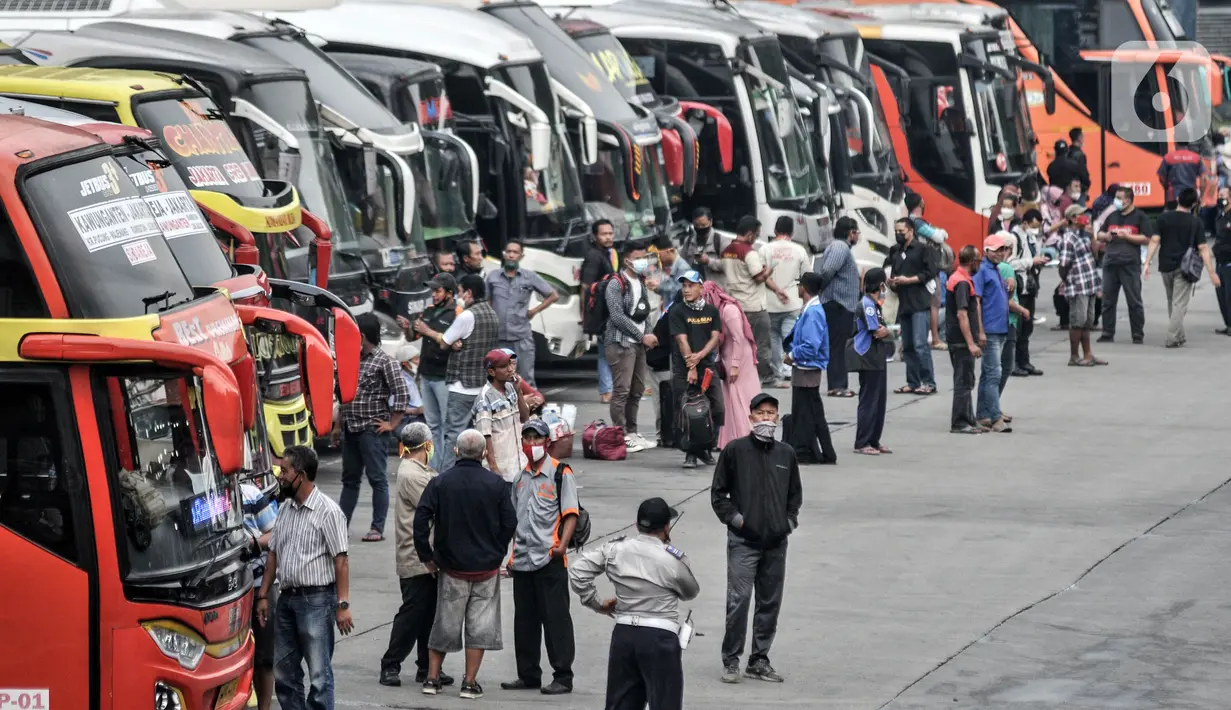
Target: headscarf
[[720, 298]]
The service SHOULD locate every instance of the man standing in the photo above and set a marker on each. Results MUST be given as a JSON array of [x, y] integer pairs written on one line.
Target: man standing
[[509, 290], [650, 577], [433, 357], [1123, 233], [757, 494], [788, 261], [809, 356], [911, 263], [1027, 261], [1178, 231], [702, 247], [840, 298], [471, 337], [307, 555], [545, 498], [628, 313], [467, 514], [1057, 169], [601, 260], [994, 307], [923, 229], [367, 425], [1075, 159], [413, 621], [667, 286], [1080, 275], [747, 277], [1180, 170], [1222, 258], [695, 328], [470, 253], [963, 332], [499, 412]]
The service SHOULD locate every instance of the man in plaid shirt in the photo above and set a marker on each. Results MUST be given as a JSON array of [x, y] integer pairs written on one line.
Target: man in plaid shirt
[[1082, 282], [368, 423]]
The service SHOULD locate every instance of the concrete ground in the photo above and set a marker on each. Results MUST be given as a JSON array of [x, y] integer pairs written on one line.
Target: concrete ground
[[1078, 562]]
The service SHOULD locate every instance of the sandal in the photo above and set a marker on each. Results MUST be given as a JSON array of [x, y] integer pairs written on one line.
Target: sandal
[[905, 389], [868, 451], [1098, 362], [373, 536], [926, 389], [1080, 363], [845, 394], [884, 449]]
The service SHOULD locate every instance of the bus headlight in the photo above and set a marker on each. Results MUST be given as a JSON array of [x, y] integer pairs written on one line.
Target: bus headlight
[[177, 641], [167, 698]]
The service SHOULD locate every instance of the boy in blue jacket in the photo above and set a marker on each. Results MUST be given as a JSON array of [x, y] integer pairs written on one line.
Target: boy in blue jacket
[[808, 357]]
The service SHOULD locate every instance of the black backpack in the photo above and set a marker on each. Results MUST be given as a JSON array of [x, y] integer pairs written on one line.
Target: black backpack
[[696, 422], [581, 534], [594, 319]]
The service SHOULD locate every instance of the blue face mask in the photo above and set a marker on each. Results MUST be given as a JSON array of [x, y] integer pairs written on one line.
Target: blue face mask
[[1118, 203]]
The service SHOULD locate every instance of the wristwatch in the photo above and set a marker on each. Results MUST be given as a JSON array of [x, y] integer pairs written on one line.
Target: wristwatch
[[343, 605]]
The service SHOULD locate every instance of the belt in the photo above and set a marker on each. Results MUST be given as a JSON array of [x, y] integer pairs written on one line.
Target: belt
[[664, 624], [304, 591]]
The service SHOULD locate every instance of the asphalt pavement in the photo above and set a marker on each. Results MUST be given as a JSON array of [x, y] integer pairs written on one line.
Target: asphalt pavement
[[1079, 562]]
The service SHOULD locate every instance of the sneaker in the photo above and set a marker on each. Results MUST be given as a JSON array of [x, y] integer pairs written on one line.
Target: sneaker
[[556, 688], [730, 674], [431, 687], [445, 678], [471, 690], [1138, 341], [1020, 372], [761, 670], [690, 461], [645, 443], [389, 677], [1104, 338], [632, 445], [707, 458]]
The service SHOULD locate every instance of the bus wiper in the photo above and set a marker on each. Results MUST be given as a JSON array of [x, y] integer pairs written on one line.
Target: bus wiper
[[139, 142], [164, 297], [199, 578]]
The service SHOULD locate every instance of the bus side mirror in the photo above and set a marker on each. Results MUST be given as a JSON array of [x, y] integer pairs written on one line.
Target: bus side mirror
[[222, 409], [540, 146], [346, 353]]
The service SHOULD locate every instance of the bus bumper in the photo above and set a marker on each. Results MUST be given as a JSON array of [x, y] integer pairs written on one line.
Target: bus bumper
[[145, 677]]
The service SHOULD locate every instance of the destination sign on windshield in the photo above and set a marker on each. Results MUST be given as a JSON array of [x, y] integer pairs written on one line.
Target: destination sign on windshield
[[610, 57], [203, 148]]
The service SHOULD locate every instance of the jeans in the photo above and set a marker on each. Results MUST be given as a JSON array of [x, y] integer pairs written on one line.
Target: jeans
[[525, 356], [870, 417], [365, 452], [412, 624], [989, 379], [540, 612], [760, 333], [604, 370], [915, 349], [628, 373], [841, 326], [457, 419], [1128, 278], [1008, 357], [304, 625], [435, 406], [748, 569], [963, 361], [1223, 293], [780, 326], [1179, 291]]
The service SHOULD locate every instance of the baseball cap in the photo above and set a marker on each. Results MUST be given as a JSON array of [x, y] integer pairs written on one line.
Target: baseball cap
[[995, 242], [691, 276], [1074, 210], [498, 357], [762, 398], [443, 280], [538, 426], [654, 514]]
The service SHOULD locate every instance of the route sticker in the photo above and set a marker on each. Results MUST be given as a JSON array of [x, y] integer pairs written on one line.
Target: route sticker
[[113, 222], [177, 215], [25, 699], [139, 252]]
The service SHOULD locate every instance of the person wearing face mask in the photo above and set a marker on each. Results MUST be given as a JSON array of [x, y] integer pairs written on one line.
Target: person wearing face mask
[[510, 289], [756, 493], [470, 338], [413, 622], [1073, 195], [868, 344], [308, 557], [1123, 234], [546, 520], [1027, 259], [601, 260], [1005, 218], [433, 357], [626, 340], [913, 267], [810, 346], [701, 246]]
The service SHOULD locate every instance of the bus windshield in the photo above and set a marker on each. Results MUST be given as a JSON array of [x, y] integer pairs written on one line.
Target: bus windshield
[[104, 243], [1004, 117], [786, 155], [179, 511], [441, 189], [610, 58]]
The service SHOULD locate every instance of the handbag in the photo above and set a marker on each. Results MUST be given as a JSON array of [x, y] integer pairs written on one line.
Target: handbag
[[1191, 264], [871, 361]]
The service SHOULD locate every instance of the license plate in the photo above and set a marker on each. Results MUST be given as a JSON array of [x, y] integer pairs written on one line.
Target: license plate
[[226, 693]]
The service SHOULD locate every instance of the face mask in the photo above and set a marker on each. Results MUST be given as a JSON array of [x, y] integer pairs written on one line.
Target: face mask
[[1222, 204], [900, 237], [286, 491], [1118, 204], [1075, 195], [1006, 215], [509, 264], [1032, 231], [641, 265], [764, 430], [534, 453]]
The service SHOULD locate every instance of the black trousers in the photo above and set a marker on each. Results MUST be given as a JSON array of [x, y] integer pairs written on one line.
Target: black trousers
[[1008, 357], [644, 665], [809, 427], [1126, 278], [841, 324], [1223, 293], [873, 391], [963, 384], [1024, 330], [540, 612], [412, 624]]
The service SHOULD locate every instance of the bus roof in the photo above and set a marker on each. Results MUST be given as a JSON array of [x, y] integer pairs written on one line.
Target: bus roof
[[113, 85], [652, 19], [25, 140]]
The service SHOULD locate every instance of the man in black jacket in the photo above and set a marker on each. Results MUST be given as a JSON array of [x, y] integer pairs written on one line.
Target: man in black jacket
[[757, 494], [467, 512], [601, 260]]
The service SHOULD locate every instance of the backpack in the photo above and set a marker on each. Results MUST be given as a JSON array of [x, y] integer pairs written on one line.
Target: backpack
[[696, 422], [604, 442], [581, 534], [594, 319]]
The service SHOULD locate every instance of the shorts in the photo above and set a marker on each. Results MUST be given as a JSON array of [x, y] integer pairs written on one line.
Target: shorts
[[263, 636], [467, 615], [1081, 312]]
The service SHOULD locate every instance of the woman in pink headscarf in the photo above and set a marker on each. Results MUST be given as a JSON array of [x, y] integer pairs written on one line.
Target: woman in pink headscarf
[[737, 354]]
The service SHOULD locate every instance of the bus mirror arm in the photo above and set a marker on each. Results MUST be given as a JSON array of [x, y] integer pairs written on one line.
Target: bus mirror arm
[[322, 246], [1040, 70]]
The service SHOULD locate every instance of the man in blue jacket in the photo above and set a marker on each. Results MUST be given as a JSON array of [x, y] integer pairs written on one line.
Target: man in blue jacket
[[809, 356]]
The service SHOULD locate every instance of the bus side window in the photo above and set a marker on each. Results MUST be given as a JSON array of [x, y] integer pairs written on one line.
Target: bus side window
[[35, 491], [20, 296]]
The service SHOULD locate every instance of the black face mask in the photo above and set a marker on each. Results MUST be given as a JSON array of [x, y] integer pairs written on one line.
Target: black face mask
[[900, 237], [286, 491], [703, 234]]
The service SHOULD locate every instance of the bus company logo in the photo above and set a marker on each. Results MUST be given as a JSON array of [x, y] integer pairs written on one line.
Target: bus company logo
[[285, 220], [143, 178], [209, 617], [108, 182], [1142, 107], [193, 332]]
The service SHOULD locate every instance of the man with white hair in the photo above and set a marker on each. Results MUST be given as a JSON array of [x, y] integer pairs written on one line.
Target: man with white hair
[[462, 529]]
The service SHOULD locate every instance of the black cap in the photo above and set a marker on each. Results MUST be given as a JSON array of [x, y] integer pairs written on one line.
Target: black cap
[[760, 398], [538, 426], [443, 280], [654, 514]]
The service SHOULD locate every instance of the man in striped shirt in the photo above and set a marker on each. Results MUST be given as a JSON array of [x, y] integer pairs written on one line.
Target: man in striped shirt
[[307, 555]]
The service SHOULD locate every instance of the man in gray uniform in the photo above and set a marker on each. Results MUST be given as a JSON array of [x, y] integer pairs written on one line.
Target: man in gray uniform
[[650, 578]]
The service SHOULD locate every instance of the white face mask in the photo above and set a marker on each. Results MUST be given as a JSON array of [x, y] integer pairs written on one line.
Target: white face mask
[[537, 452], [1032, 231], [1006, 214], [641, 265], [1076, 195]]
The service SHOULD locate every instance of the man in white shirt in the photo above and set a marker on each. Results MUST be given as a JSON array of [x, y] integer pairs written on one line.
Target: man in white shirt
[[472, 335], [788, 261]]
